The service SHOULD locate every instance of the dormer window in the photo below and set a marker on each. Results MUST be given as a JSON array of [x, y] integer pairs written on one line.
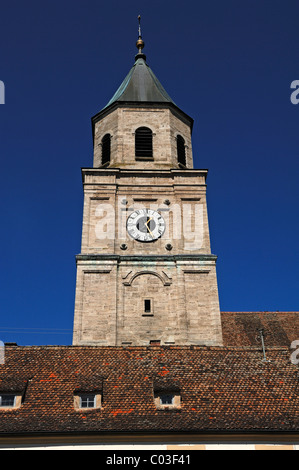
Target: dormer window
[[7, 400], [167, 399], [106, 149], [167, 392], [181, 150], [10, 400], [87, 401], [143, 144]]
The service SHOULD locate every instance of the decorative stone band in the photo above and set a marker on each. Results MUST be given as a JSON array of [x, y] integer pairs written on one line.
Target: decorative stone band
[[147, 258]]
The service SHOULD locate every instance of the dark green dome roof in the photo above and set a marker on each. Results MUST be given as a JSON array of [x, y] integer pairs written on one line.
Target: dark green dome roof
[[140, 85]]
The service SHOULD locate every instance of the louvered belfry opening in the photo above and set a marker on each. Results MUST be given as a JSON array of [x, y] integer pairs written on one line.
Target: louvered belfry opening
[[144, 143], [106, 149], [181, 150]]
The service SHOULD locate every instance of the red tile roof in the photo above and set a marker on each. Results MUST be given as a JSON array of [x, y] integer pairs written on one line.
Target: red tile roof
[[240, 328], [223, 389]]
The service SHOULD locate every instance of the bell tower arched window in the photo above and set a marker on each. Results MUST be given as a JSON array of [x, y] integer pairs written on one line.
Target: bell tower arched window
[[181, 150], [106, 149], [144, 143]]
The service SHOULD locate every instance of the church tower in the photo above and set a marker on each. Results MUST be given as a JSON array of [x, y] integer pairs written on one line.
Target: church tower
[[145, 274]]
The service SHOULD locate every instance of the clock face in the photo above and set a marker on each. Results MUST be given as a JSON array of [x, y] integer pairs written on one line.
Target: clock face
[[145, 225]]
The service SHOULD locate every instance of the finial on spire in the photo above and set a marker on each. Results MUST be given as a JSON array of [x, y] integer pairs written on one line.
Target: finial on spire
[[140, 42]]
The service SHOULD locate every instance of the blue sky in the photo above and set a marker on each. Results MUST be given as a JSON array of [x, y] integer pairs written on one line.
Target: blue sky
[[228, 64]]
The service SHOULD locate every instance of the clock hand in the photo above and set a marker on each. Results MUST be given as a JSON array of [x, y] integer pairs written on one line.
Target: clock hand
[[149, 228], [148, 220], [150, 233]]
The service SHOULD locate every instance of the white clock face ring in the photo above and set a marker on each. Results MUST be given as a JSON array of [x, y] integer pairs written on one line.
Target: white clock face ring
[[145, 225]]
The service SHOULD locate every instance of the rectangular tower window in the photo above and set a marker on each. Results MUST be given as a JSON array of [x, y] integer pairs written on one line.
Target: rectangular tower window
[[147, 306]]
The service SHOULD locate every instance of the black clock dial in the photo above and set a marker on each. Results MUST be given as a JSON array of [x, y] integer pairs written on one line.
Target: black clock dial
[[145, 225]]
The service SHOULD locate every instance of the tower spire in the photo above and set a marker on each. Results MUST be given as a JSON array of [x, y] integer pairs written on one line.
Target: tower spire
[[140, 42]]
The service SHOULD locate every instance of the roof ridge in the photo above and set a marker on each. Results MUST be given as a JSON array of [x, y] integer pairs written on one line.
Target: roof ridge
[[259, 311], [149, 348]]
